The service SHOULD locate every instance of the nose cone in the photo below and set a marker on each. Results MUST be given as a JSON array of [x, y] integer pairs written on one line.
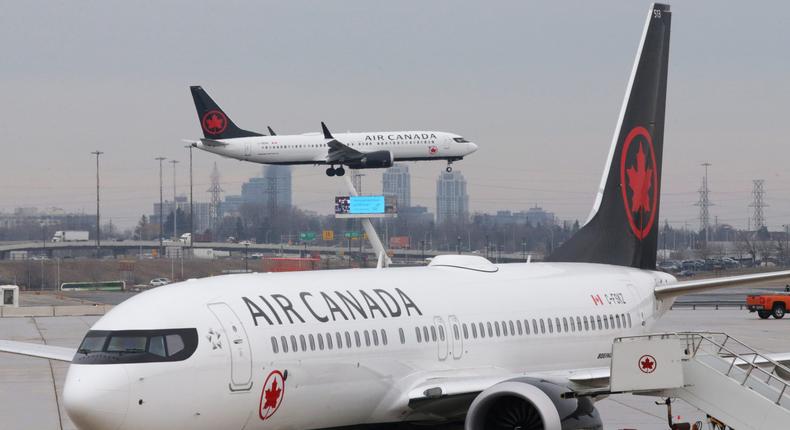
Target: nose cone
[[472, 147], [96, 396]]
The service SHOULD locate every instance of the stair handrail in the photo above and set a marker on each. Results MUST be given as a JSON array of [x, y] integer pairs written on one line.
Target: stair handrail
[[752, 365], [694, 341]]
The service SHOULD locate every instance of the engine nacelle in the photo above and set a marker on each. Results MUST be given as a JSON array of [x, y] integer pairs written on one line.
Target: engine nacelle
[[372, 160], [530, 404]]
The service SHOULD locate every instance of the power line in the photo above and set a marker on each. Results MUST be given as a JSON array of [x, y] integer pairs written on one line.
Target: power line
[[216, 199], [704, 203], [758, 203]]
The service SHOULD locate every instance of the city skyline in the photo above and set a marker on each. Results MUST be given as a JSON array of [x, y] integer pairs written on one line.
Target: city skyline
[[540, 100]]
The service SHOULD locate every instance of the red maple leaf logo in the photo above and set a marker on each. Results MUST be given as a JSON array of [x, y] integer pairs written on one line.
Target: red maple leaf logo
[[272, 396], [640, 179], [214, 122], [647, 364]]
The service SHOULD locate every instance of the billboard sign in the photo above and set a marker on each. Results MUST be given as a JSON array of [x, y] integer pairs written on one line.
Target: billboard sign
[[365, 206]]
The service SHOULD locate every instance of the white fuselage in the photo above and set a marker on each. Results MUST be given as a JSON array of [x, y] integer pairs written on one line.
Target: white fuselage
[[311, 148], [223, 387]]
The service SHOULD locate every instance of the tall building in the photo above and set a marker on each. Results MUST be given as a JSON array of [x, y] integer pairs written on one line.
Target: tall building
[[279, 177], [202, 218], [452, 201], [273, 189], [397, 181]]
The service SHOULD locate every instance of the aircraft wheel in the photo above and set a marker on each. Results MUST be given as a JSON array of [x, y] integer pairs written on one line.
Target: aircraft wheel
[[449, 169], [330, 171], [340, 171], [778, 311], [763, 314]]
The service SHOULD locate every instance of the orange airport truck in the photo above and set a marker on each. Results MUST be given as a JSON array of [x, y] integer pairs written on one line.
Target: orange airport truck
[[768, 304]]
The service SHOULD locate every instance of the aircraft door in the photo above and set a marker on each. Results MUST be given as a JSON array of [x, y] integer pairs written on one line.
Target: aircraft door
[[456, 337], [238, 346], [442, 339], [247, 149]]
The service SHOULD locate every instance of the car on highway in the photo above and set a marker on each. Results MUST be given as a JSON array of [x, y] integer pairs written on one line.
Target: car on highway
[[158, 282]]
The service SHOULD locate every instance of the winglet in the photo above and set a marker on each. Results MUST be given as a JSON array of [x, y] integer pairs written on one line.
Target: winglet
[[327, 134], [271, 132]]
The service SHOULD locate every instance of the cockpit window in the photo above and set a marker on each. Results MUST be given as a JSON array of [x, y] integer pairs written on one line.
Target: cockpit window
[[93, 342], [460, 140], [136, 346], [127, 344]]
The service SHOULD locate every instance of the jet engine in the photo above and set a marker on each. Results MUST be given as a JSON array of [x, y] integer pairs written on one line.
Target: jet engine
[[530, 404], [372, 160]]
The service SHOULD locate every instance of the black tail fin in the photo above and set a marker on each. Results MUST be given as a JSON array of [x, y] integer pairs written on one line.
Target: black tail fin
[[215, 123], [623, 227]]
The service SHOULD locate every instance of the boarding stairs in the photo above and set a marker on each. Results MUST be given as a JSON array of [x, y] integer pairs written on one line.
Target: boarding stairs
[[714, 372]]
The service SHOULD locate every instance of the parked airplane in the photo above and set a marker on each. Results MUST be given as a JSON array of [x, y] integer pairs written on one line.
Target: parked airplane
[[355, 150], [461, 339]]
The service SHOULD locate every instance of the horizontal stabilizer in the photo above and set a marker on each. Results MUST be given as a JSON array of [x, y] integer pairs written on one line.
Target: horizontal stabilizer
[[212, 142], [702, 285], [38, 350]]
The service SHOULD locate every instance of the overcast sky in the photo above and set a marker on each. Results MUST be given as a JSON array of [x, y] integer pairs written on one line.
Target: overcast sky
[[537, 85]]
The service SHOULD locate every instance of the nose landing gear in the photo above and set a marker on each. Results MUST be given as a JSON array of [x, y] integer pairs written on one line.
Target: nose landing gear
[[449, 168]]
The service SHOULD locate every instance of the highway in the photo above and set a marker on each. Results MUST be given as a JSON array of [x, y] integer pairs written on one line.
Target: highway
[[123, 247]]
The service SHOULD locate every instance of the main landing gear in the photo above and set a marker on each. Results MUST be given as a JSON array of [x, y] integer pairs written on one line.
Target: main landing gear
[[332, 171]]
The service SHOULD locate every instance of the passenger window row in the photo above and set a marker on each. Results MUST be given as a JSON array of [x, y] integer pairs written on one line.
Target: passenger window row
[[329, 341], [436, 333], [571, 324], [426, 334]]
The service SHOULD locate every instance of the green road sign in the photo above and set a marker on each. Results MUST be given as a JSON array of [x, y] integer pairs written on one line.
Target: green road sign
[[306, 236], [352, 234]]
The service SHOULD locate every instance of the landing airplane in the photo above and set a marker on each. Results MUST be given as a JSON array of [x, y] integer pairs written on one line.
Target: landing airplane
[[354, 150], [460, 339]]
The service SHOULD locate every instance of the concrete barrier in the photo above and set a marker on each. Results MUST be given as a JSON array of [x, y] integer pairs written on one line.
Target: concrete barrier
[[78, 310], [54, 311], [28, 311]]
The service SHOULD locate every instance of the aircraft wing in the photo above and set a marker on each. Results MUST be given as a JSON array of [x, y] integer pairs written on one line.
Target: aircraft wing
[[38, 350], [338, 152], [450, 395], [698, 286]]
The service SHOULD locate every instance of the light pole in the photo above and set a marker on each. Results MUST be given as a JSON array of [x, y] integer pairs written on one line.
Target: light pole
[[161, 204], [191, 201], [175, 205], [246, 260], [97, 153]]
